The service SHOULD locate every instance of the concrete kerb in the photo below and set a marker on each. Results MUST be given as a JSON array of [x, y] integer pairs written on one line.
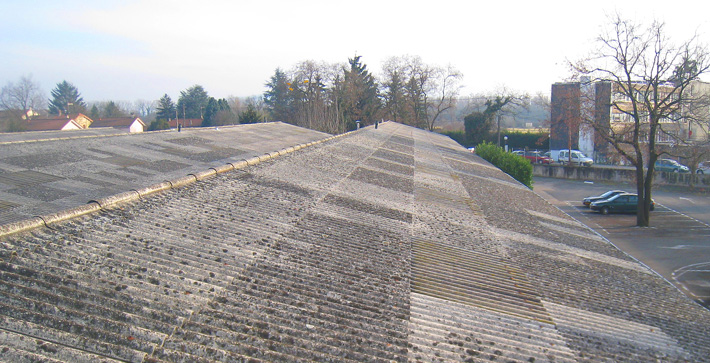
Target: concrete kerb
[[96, 205]]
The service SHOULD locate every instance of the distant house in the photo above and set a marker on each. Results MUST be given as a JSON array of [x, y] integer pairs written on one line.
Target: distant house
[[68, 122], [29, 114], [130, 124], [186, 122], [55, 124], [81, 119]]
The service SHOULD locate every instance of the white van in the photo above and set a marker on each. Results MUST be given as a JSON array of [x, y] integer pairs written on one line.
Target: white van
[[577, 158]]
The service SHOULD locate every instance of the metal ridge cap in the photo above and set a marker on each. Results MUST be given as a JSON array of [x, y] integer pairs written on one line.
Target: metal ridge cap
[[137, 194], [70, 213], [21, 226]]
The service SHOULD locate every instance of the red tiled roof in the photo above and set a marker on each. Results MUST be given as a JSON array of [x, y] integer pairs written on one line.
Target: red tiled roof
[[116, 122], [54, 120], [60, 117], [186, 122], [49, 124]]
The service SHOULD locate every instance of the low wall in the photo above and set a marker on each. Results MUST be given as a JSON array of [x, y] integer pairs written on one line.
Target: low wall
[[615, 174]]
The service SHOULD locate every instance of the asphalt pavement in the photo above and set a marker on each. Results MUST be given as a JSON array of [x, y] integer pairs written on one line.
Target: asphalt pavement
[[676, 245]]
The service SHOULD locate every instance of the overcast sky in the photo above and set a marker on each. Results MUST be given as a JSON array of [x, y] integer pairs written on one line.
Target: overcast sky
[[129, 50]]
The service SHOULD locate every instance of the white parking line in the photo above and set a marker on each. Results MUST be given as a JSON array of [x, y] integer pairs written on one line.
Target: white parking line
[[697, 267], [582, 211], [685, 215]]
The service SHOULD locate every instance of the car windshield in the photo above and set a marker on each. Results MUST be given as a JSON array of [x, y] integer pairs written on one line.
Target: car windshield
[[608, 193], [615, 197]]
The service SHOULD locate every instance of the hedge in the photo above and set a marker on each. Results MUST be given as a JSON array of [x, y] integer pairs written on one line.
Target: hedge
[[514, 165]]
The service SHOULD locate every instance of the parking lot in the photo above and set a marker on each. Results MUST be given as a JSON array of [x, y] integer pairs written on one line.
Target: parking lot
[[676, 245]]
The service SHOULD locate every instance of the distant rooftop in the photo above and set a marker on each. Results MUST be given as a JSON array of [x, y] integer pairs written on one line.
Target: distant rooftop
[[45, 172], [381, 245], [116, 122]]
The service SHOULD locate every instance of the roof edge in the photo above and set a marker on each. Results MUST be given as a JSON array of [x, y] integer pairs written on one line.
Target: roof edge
[[95, 205]]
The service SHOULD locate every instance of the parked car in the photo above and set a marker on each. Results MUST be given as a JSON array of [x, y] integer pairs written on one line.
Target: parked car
[[588, 200], [671, 166], [535, 157], [703, 168], [577, 157], [620, 203]]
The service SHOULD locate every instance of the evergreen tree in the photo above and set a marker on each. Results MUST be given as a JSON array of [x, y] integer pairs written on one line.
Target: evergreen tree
[[166, 108], [250, 115], [94, 114], [159, 124], [192, 102], [213, 108], [394, 96], [66, 99], [111, 110], [360, 95], [278, 97], [478, 127]]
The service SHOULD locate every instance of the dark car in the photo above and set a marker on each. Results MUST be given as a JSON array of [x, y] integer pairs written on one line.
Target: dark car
[[620, 203], [588, 200]]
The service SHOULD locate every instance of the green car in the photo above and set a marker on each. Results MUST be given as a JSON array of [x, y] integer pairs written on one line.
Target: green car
[[671, 166], [621, 203]]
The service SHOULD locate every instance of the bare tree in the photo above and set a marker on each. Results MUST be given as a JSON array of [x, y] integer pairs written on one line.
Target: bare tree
[[308, 86], [145, 107], [692, 155], [417, 93], [566, 114], [21, 97], [650, 79], [444, 95]]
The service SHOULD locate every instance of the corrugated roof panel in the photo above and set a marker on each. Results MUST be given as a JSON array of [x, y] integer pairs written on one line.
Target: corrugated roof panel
[[383, 245]]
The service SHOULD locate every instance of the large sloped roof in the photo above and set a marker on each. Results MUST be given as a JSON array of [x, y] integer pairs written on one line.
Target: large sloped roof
[[42, 173], [388, 244]]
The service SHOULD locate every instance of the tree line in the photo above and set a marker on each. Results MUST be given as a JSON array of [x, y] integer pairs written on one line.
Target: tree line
[[326, 97], [23, 100], [334, 97]]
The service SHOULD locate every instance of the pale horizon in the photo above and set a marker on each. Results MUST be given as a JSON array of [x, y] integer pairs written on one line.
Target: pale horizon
[[131, 50]]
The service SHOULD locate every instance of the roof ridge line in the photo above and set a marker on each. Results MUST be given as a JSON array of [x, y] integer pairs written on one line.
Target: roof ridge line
[[132, 195]]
